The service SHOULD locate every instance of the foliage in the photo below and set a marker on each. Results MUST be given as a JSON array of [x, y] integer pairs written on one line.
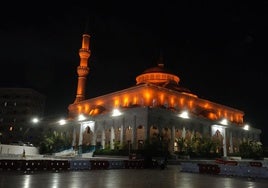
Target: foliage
[[251, 149], [201, 147], [111, 152], [53, 142], [155, 148]]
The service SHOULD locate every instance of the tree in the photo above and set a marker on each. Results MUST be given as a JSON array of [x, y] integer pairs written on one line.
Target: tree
[[52, 142], [251, 149]]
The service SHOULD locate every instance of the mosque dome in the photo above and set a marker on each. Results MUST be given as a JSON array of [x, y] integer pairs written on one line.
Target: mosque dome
[[160, 76], [157, 75]]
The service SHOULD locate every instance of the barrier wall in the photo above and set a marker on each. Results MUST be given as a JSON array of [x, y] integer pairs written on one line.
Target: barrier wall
[[18, 150], [73, 164], [189, 167], [254, 169], [80, 165], [115, 164], [99, 164]]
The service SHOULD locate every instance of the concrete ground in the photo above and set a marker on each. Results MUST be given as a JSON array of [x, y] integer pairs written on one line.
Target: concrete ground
[[126, 178]]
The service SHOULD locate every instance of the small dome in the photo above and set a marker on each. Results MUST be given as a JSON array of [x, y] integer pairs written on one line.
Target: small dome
[[157, 75], [160, 76]]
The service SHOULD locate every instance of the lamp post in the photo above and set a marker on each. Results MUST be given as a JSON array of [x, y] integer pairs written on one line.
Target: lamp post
[[50, 127], [33, 122]]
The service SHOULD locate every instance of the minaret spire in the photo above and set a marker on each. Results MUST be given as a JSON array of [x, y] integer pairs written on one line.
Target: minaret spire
[[83, 69]]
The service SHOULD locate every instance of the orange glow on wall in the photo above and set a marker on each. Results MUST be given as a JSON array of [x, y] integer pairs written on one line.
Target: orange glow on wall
[[190, 104], [182, 102], [239, 118], [95, 112], [172, 102], [135, 100], [161, 98], [126, 101], [79, 109], [100, 102], [206, 106], [212, 116], [91, 112], [86, 108], [116, 103], [147, 97], [236, 117], [219, 113]]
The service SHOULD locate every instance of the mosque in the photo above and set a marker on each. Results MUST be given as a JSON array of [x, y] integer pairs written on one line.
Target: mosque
[[155, 106]]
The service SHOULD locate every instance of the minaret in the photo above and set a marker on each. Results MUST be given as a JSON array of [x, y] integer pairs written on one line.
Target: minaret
[[83, 69]]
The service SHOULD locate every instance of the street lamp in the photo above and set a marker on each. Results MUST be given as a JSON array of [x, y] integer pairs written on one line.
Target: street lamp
[[224, 122], [246, 127], [35, 120], [184, 115], [62, 122], [116, 112]]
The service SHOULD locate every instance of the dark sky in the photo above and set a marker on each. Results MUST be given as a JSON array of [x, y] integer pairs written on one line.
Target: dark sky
[[219, 51]]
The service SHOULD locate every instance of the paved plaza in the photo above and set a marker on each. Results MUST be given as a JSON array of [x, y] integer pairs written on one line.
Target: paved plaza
[[125, 178]]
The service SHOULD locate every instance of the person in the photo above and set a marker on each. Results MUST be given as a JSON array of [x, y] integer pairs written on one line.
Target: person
[[163, 162], [23, 153]]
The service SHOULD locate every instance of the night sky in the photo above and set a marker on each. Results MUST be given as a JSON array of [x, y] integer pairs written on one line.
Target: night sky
[[219, 51]]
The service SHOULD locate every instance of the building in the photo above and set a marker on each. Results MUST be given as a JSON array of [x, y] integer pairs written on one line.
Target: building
[[17, 107], [156, 107]]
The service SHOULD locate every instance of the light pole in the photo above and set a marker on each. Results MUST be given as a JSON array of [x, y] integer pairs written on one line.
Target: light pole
[[50, 127], [34, 121]]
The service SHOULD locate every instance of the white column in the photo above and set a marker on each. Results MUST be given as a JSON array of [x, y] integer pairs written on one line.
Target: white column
[[121, 135], [74, 137], [112, 138], [134, 134], [133, 137], [80, 141], [224, 143], [94, 136], [103, 138], [183, 132], [231, 143], [172, 138]]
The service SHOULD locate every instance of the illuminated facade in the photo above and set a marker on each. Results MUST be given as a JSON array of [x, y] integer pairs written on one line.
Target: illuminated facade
[[153, 108]]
